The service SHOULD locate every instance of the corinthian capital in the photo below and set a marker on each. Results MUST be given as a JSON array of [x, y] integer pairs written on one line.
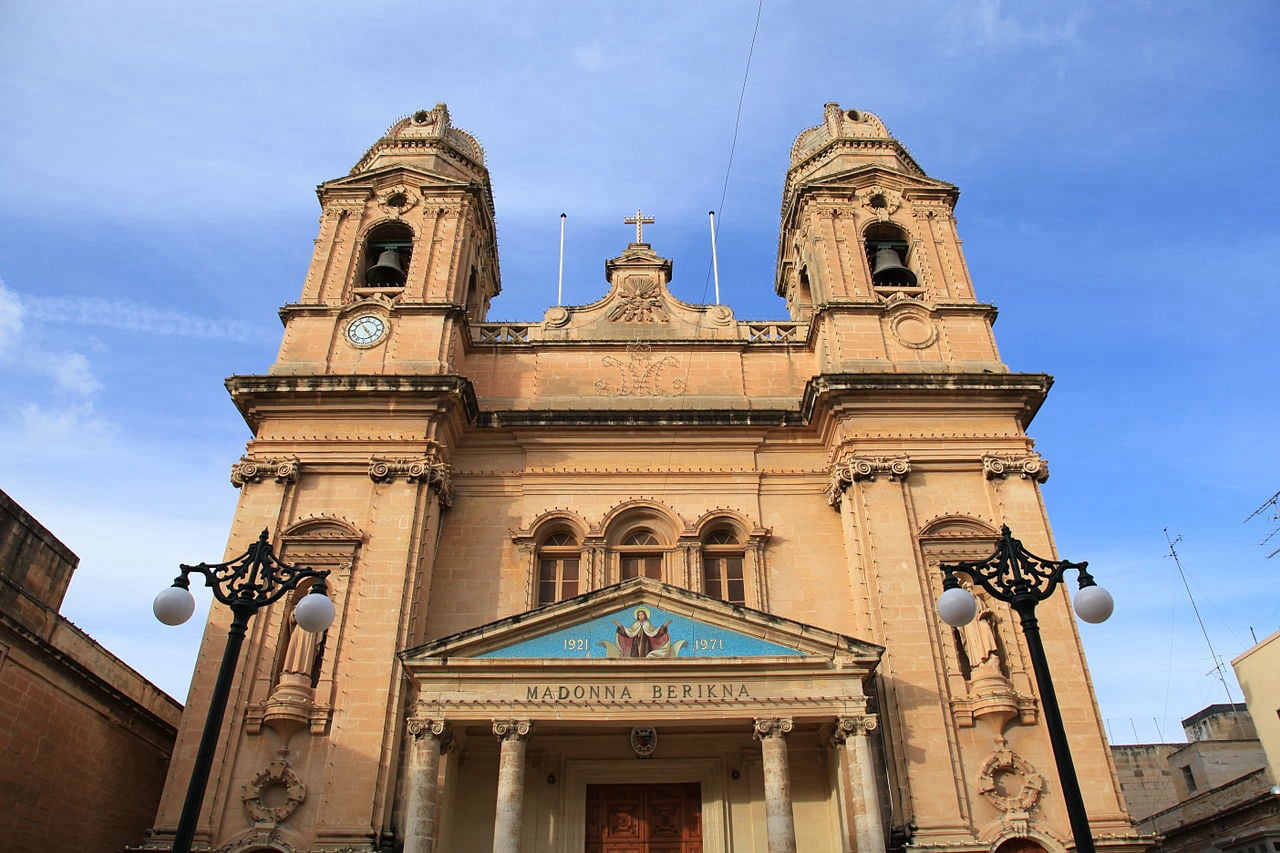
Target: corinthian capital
[[254, 469], [1030, 466]]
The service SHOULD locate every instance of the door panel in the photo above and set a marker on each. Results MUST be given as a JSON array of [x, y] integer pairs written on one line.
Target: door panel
[[665, 818]]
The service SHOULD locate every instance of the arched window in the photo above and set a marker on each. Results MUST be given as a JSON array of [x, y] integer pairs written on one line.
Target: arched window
[[722, 559], [559, 568], [640, 555]]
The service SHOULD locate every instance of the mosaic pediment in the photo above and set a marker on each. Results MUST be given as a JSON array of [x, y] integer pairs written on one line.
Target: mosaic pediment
[[643, 619], [643, 631]]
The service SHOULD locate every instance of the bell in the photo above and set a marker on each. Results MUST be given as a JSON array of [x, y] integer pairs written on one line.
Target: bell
[[386, 272], [889, 271]]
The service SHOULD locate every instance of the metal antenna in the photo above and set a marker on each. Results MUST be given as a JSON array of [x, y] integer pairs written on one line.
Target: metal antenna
[[1217, 661], [1274, 503]]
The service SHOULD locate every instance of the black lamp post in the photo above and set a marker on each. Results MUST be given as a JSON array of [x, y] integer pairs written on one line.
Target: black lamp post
[[248, 582], [1021, 579]]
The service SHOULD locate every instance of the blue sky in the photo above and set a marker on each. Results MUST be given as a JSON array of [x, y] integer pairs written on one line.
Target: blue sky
[[1119, 204]]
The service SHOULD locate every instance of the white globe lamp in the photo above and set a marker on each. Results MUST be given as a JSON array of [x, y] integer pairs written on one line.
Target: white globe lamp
[[174, 605]]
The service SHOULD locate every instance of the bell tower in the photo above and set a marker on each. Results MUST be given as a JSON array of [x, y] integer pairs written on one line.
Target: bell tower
[[406, 257], [869, 252]]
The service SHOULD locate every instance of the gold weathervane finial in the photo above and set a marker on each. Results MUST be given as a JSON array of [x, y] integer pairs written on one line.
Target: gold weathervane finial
[[639, 221]]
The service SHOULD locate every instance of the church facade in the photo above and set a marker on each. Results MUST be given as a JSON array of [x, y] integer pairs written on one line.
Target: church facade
[[640, 577]]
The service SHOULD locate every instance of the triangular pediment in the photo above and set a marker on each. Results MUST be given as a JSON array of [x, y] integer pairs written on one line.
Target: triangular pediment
[[645, 619]]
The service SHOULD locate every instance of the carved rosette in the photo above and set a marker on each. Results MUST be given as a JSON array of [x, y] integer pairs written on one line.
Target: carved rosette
[[507, 729], [421, 469], [255, 469], [397, 200], [1010, 782], [879, 201], [277, 774], [857, 469], [772, 727], [847, 727], [1029, 466]]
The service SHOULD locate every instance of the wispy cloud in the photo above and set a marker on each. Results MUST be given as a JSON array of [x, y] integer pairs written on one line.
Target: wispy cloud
[[70, 371], [985, 23], [127, 315]]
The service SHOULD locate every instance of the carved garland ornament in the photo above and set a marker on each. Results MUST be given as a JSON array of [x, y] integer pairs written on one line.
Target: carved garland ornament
[[251, 469], [856, 469], [276, 774], [1030, 466], [997, 779]]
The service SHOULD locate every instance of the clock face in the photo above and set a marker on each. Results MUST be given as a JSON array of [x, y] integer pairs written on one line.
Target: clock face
[[366, 330]]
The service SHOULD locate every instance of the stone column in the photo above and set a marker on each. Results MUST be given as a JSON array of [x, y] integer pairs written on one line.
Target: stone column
[[780, 823], [420, 818], [509, 821], [857, 779]]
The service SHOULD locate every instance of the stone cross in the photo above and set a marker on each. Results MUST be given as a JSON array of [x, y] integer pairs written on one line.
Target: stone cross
[[639, 221]]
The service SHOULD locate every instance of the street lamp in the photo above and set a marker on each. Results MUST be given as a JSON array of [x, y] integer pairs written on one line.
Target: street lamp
[[1019, 578], [252, 580]]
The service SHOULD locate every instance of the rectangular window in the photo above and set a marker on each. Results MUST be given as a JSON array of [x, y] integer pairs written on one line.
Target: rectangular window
[[1189, 778], [637, 565], [722, 578], [557, 579]]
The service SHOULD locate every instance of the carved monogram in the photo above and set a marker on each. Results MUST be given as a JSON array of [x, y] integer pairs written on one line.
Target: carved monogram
[[638, 376]]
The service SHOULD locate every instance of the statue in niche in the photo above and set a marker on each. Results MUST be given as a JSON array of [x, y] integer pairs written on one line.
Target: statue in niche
[[980, 643], [301, 663]]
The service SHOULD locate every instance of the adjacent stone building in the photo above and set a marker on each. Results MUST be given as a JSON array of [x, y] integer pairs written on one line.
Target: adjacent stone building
[[1212, 794], [641, 576], [84, 740]]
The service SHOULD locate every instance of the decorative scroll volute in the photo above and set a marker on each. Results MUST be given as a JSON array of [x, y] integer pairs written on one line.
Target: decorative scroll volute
[[428, 469], [507, 729], [846, 727], [772, 727], [419, 727], [1029, 466], [858, 468], [254, 469]]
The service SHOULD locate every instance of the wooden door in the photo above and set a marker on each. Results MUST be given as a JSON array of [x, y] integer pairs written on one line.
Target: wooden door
[[663, 818]]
